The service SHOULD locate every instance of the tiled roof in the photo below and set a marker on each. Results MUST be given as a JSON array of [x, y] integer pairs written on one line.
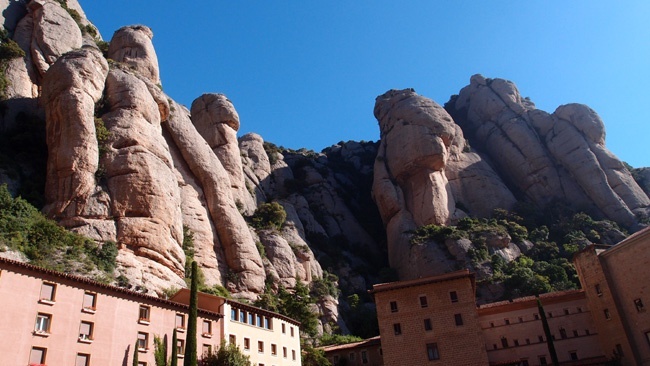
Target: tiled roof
[[366, 342]]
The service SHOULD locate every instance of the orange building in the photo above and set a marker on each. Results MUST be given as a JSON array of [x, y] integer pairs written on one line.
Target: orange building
[[367, 352], [616, 281], [51, 318], [430, 320]]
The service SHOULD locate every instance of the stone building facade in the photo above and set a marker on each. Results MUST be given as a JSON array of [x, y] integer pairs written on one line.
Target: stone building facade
[[51, 318], [431, 319], [616, 281]]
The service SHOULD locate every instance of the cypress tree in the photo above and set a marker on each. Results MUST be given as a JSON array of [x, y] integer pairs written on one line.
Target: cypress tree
[[547, 332], [190, 340], [135, 353], [174, 349]]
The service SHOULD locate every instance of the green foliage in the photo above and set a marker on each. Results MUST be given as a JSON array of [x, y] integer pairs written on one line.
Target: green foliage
[[361, 319], [48, 245], [314, 357], [174, 360], [190, 358], [272, 151], [102, 134], [188, 249], [327, 285], [269, 216], [103, 46], [260, 249], [328, 339], [160, 351], [9, 49], [216, 290], [135, 354], [227, 355]]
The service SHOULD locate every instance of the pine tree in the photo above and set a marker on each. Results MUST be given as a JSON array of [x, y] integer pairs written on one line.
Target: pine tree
[[190, 340], [547, 332], [135, 353], [174, 349]]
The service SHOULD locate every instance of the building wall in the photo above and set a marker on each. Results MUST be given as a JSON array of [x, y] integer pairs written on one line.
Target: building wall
[[514, 331], [627, 269], [353, 354], [280, 333], [115, 321], [456, 344]]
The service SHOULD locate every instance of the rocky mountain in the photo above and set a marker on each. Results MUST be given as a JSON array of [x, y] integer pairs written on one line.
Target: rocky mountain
[[90, 137]]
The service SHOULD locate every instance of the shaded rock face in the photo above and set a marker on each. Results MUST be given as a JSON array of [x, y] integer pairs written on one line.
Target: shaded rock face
[[420, 148], [548, 157]]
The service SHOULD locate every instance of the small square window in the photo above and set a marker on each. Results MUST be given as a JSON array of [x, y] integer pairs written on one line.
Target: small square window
[[432, 351], [453, 296], [86, 331], [37, 355], [251, 318], [180, 347], [143, 341], [516, 341], [579, 309], [550, 314], [504, 342], [274, 350], [232, 339], [259, 321], [48, 292], [607, 315], [260, 346], [573, 355], [90, 301], [423, 302], [587, 332], [575, 333], [293, 354], [284, 330], [144, 313], [507, 321], [542, 360], [206, 350], [267, 323], [397, 328], [536, 316], [82, 359], [599, 292], [540, 339], [491, 324], [247, 343], [206, 328], [242, 316], [284, 352], [458, 318], [291, 331], [566, 311], [393, 306], [234, 316], [364, 357], [180, 321], [638, 304], [351, 356], [43, 322], [521, 320], [427, 324]]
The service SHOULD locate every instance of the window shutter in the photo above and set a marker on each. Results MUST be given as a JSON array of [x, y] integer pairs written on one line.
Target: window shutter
[[36, 355]]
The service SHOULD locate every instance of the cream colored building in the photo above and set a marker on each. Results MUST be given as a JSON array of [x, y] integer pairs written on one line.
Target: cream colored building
[[51, 318]]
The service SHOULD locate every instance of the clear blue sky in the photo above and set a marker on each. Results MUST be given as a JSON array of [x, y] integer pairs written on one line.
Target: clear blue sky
[[306, 73]]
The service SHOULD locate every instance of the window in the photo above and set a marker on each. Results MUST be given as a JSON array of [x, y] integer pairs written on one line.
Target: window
[[274, 350], [579, 309], [453, 296], [491, 324], [247, 343], [459, 319], [251, 318], [143, 341], [563, 333], [267, 323], [284, 328], [524, 362], [423, 302], [206, 328], [364, 357], [619, 350], [638, 303], [550, 314], [587, 332], [432, 351], [90, 301], [259, 321], [521, 320], [393, 306], [293, 354], [516, 341], [142, 363], [206, 350], [242, 316], [336, 359], [397, 327], [37, 355], [233, 314], [232, 339], [291, 329], [566, 311], [599, 292], [180, 347], [427, 324], [284, 352], [180, 321], [573, 355], [606, 312], [507, 321], [536, 316], [504, 342], [144, 313], [82, 360], [494, 346], [351, 356], [575, 333], [542, 360], [260, 346], [48, 292], [540, 339], [527, 340], [43, 322], [86, 331]]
